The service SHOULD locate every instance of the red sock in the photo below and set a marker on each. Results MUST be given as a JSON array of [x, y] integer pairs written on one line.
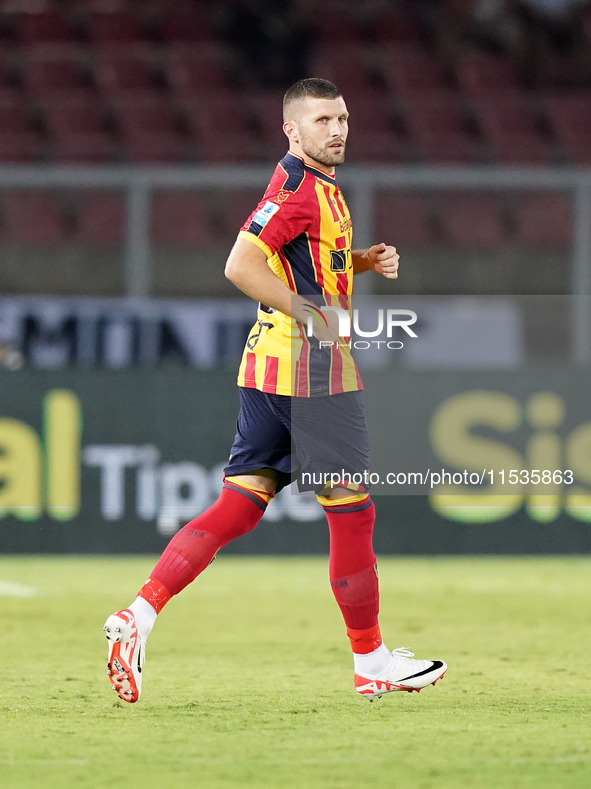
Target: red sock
[[353, 575], [236, 512]]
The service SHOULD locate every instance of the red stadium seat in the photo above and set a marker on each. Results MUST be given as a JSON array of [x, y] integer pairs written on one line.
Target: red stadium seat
[[411, 72], [544, 220], [570, 120], [43, 28], [375, 146], [14, 115], [77, 131], [73, 116], [472, 222], [369, 111], [187, 26], [150, 113], [154, 148], [100, 218], [396, 26], [343, 65], [221, 129], [238, 206], [116, 75], [148, 126], [32, 219], [331, 21], [18, 148], [199, 72], [402, 219], [179, 218], [510, 126], [267, 109], [45, 74], [105, 29], [479, 75], [436, 124]]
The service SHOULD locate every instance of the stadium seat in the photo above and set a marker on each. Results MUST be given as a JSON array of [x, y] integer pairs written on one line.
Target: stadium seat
[[148, 126], [472, 222], [410, 72], [267, 111], [106, 29], [544, 220], [198, 72], [76, 128], [393, 26], [238, 205], [117, 75], [375, 146], [570, 120], [14, 116], [221, 128], [186, 26], [32, 219], [344, 65], [18, 148], [179, 218], [479, 75], [45, 73], [368, 111], [403, 219], [331, 22], [100, 218], [510, 126], [43, 28], [436, 125]]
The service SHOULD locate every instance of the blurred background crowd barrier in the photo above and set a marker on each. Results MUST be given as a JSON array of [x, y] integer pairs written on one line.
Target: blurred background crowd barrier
[[136, 137]]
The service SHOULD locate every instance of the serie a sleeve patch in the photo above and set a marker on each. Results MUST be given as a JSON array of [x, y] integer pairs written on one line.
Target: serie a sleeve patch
[[265, 213]]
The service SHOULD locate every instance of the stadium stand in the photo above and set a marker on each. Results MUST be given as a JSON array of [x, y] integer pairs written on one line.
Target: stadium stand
[[471, 221], [100, 219], [543, 220], [438, 127], [404, 217], [570, 119], [32, 219], [164, 81], [17, 142], [511, 127], [181, 218], [76, 127], [148, 125]]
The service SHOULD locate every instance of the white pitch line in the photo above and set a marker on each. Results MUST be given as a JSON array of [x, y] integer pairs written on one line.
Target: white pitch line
[[8, 589], [43, 761]]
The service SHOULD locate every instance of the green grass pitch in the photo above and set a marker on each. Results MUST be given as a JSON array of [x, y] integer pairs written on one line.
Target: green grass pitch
[[248, 679]]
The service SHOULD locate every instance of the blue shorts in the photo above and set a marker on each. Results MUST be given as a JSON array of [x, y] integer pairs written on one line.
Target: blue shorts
[[311, 440]]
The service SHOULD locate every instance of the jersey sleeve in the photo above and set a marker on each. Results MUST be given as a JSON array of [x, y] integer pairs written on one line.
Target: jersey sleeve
[[280, 217]]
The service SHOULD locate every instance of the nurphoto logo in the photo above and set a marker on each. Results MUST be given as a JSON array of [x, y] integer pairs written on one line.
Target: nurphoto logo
[[387, 320]]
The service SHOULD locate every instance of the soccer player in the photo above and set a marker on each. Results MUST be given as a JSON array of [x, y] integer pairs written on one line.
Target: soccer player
[[301, 406]]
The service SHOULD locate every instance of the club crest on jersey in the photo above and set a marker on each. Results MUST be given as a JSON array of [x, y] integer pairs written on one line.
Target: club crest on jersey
[[281, 197], [265, 213], [338, 261]]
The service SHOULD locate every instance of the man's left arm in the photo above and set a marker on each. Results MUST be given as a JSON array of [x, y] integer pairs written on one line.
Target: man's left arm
[[381, 258]]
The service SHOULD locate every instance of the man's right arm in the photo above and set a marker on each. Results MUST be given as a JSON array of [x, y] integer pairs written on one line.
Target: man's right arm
[[247, 269]]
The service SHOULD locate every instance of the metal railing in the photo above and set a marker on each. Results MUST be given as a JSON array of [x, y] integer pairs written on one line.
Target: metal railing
[[361, 184]]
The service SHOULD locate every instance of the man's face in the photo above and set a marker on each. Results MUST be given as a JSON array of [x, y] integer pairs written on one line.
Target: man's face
[[320, 127]]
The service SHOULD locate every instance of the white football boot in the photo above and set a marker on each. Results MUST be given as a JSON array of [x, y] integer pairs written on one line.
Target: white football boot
[[127, 652], [402, 673]]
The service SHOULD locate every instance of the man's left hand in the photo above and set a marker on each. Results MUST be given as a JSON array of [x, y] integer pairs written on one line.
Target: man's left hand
[[384, 260]]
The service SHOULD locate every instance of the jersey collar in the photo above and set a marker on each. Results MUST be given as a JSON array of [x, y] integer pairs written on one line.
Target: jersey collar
[[312, 170]]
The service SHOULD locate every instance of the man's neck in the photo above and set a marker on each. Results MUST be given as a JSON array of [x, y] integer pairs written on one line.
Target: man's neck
[[324, 168]]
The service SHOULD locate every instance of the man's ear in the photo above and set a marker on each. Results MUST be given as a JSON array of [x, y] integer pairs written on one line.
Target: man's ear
[[290, 129]]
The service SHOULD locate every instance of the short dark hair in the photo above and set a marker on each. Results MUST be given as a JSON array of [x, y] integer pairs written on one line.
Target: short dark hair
[[313, 88]]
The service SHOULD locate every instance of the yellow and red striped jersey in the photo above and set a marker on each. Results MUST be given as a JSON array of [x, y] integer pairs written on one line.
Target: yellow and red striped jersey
[[303, 226]]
